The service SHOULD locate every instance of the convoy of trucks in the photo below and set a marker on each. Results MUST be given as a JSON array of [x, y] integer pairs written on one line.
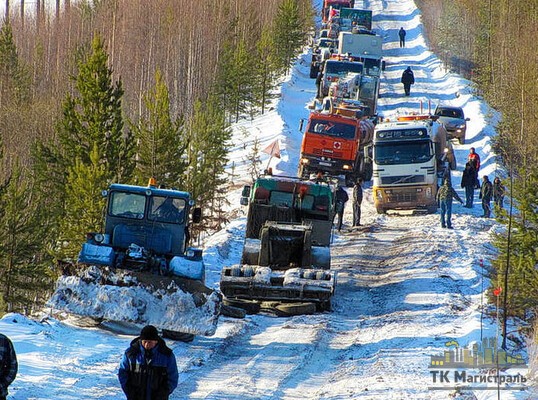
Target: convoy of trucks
[[285, 264]]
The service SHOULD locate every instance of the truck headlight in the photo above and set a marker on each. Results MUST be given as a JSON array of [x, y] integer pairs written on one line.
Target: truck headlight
[[379, 195], [429, 192], [305, 161], [346, 166]]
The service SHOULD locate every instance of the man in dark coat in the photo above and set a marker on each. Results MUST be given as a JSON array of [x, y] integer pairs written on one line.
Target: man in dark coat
[[486, 192], [468, 182], [148, 370], [445, 194], [408, 79], [357, 200], [498, 192], [341, 199], [401, 34], [10, 366]]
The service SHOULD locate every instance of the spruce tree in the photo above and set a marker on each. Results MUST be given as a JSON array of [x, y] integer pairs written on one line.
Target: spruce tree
[[159, 138]]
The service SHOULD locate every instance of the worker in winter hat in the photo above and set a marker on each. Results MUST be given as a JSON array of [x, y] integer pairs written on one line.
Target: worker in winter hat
[[149, 333], [148, 369]]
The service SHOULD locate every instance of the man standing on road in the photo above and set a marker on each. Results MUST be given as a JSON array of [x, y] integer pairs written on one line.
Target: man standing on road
[[148, 370], [486, 192], [408, 79], [8, 360], [357, 200], [401, 34], [468, 182], [341, 199], [444, 196]]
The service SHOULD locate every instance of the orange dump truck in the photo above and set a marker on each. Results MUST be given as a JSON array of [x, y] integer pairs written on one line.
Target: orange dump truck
[[333, 143]]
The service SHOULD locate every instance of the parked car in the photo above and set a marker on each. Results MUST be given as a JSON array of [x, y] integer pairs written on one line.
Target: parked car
[[454, 121]]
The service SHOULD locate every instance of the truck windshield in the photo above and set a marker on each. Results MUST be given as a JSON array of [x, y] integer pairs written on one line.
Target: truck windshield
[[127, 205], [412, 152], [333, 129], [167, 209], [342, 67]]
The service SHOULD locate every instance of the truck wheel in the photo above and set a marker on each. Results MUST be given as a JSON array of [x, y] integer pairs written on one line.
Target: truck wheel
[[290, 309], [250, 306], [180, 336], [432, 209], [324, 306]]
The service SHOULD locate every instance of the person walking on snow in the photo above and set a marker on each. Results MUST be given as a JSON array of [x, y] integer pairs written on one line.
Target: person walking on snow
[[401, 34], [498, 192], [444, 196], [468, 182], [148, 369], [9, 363], [357, 200], [341, 199], [486, 192], [408, 79]]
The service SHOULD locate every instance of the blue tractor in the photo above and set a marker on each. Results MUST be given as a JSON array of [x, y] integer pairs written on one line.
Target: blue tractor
[[141, 270]]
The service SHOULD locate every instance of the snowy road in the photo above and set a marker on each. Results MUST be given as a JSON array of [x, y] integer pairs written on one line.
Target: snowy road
[[406, 287]]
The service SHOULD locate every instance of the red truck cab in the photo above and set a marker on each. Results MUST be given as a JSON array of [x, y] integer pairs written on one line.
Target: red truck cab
[[333, 144]]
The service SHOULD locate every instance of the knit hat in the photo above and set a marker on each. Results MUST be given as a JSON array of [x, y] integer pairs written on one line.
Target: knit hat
[[149, 332]]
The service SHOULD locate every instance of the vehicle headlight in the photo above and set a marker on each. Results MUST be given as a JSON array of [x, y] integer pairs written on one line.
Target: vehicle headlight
[[99, 237], [190, 253], [305, 161], [429, 192]]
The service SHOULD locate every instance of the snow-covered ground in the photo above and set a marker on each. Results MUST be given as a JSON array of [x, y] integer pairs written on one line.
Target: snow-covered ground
[[406, 287]]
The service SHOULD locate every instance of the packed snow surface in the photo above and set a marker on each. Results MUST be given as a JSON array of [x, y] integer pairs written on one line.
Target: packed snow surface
[[407, 290]]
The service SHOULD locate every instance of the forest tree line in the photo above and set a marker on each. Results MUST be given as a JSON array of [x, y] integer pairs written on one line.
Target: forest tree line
[[104, 91], [494, 44]]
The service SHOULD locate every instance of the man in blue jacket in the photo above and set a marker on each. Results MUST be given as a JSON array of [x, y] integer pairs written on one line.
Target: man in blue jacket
[[9, 365], [148, 370]]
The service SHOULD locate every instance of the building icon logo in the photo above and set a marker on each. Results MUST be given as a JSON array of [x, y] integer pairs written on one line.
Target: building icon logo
[[483, 355]]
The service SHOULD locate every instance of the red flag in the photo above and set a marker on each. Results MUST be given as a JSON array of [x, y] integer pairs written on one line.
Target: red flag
[[273, 149]]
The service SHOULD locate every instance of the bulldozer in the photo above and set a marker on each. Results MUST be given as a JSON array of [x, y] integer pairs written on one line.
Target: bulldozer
[[140, 269], [285, 263]]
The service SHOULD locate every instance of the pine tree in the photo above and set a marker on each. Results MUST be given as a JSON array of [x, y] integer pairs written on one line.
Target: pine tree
[[522, 273], [234, 82], [159, 138], [208, 137], [24, 275], [14, 79], [288, 33], [95, 117], [265, 70], [84, 213]]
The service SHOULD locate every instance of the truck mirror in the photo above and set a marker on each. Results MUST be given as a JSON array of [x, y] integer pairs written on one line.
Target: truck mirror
[[196, 215], [243, 201], [383, 65], [301, 123], [368, 154], [246, 191]]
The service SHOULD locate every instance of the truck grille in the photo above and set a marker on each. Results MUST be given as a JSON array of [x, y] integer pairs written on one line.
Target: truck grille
[[403, 197], [403, 179], [334, 154]]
